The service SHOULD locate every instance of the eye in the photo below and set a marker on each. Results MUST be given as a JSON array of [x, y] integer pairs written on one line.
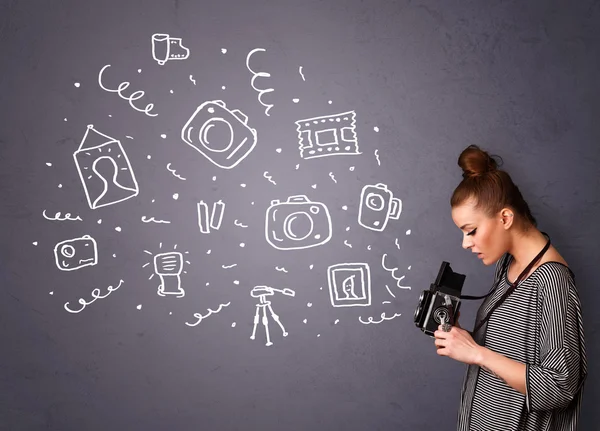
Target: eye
[[472, 232]]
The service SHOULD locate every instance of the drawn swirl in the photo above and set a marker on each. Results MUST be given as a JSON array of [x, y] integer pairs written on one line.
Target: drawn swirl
[[131, 98], [259, 75]]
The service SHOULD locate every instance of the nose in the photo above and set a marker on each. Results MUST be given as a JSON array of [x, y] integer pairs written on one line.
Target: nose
[[467, 242]]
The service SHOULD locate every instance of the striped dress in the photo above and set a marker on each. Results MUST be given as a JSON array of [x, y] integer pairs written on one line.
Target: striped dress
[[539, 324]]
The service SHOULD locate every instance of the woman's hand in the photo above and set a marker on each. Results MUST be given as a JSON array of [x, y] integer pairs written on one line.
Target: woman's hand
[[457, 344]]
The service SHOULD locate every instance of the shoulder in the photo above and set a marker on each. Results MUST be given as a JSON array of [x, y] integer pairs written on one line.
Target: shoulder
[[555, 280]]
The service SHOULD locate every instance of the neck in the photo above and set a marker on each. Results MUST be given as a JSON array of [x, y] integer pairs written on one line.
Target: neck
[[525, 246]]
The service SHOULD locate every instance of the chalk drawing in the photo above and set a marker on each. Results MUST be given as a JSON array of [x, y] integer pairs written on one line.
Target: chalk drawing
[[383, 317], [174, 172], [131, 98], [200, 317], [57, 217], [76, 253], [261, 292], [169, 267], [330, 135], [166, 48], [298, 223], [349, 284], [95, 148], [377, 206], [392, 271], [95, 294], [255, 75]]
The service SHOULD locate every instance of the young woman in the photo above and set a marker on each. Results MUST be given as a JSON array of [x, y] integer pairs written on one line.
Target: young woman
[[526, 356]]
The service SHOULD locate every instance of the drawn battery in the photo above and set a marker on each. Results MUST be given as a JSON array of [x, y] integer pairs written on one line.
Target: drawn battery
[[217, 215], [203, 217]]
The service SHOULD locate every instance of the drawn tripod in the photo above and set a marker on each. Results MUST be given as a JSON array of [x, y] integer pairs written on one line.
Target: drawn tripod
[[261, 292]]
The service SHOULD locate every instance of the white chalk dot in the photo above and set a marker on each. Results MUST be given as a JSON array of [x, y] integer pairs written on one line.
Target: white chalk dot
[[148, 156], [304, 321], [65, 119], [224, 50], [347, 228], [139, 307], [321, 288], [60, 186], [223, 87], [314, 186], [251, 203], [51, 293], [35, 243], [408, 232], [118, 229], [175, 196], [214, 178], [242, 245], [330, 102], [295, 100], [139, 70], [278, 150], [233, 325], [297, 166], [153, 200], [170, 312], [207, 283], [48, 164], [114, 255], [409, 267], [163, 136], [336, 321], [309, 304], [171, 91], [236, 281], [345, 207], [243, 185], [77, 84], [207, 251], [318, 335], [110, 115], [351, 168], [376, 128], [310, 266]]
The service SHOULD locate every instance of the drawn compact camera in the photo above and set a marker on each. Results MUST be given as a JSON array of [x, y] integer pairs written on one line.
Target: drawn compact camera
[[377, 206], [219, 134], [76, 253], [297, 223], [440, 302]]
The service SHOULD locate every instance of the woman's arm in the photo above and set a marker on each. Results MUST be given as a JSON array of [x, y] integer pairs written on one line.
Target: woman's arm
[[510, 371]]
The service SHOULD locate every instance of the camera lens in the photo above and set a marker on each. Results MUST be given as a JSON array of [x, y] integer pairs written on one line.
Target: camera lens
[[298, 226], [67, 250], [216, 135], [374, 201]]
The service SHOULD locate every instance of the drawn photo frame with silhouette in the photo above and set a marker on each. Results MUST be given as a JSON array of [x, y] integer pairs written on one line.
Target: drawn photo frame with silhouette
[[97, 148]]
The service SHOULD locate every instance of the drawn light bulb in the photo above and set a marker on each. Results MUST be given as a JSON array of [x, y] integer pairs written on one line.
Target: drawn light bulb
[[168, 266]]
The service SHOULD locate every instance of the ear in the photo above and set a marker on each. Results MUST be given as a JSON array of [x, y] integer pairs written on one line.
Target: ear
[[506, 217]]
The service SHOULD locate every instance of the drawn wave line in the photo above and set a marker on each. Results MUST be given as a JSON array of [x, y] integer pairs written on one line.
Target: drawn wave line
[[228, 266], [259, 75], [332, 177], [383, 317], [392, 271], [131, 98], [389, 291], [301, 74], [397, 245], [376, 153], [56, 217], [153, 220], [347, 243], [240, 224], [282, 269], [200, 316], [95, 295], [269, 177], [174, 173]]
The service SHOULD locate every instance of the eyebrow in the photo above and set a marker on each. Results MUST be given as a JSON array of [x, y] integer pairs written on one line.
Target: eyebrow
[[465, 225]]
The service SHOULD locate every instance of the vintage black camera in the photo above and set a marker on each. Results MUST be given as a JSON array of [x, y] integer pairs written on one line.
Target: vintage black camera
[[440, 302]]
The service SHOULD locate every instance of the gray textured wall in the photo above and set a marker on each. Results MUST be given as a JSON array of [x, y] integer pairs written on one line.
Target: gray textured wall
[[518, 78]]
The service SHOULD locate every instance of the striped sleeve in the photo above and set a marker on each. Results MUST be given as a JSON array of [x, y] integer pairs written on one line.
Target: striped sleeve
[[553, 383]]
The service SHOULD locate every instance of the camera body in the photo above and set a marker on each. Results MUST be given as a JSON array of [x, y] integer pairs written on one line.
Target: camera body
[[297, 223], [441, 301], [377, 206]]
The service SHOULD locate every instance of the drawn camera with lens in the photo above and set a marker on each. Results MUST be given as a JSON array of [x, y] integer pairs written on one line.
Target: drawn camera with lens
[[440, 302], [219, 134], [298, 223], [377, 206]]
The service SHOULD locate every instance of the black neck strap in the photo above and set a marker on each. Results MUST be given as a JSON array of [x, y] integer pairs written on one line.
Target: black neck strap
[[512, 287]]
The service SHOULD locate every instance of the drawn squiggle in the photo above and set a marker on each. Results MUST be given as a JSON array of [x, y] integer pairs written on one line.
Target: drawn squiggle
[[397, 245], [389, 291], [174, 173], [228, 266], [192, 79], [259, 75], [200, 316], [153, 220], [269, 177], [301, 74], [57, 217], [134, 96], [332, 177], [281, 269], [392, 270], [237, 223], [376, 153], [383, 317], [95, 295], [347, 243]]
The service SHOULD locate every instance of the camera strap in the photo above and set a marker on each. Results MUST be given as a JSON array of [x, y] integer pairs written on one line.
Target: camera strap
[[512, 288]]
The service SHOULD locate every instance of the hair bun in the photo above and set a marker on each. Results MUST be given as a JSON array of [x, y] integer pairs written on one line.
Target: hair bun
[[475, 162]]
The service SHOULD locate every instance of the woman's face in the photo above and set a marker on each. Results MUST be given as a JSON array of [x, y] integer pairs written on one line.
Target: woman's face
[[481, 234]]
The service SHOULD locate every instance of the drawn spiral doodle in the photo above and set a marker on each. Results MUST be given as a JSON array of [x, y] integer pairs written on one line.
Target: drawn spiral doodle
[[259, 75], [131, 98]]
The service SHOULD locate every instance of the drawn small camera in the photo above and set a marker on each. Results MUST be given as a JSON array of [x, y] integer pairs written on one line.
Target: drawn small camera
[[219, 134], [440, 302], [76, 253], [377, 206], [298, 223]]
